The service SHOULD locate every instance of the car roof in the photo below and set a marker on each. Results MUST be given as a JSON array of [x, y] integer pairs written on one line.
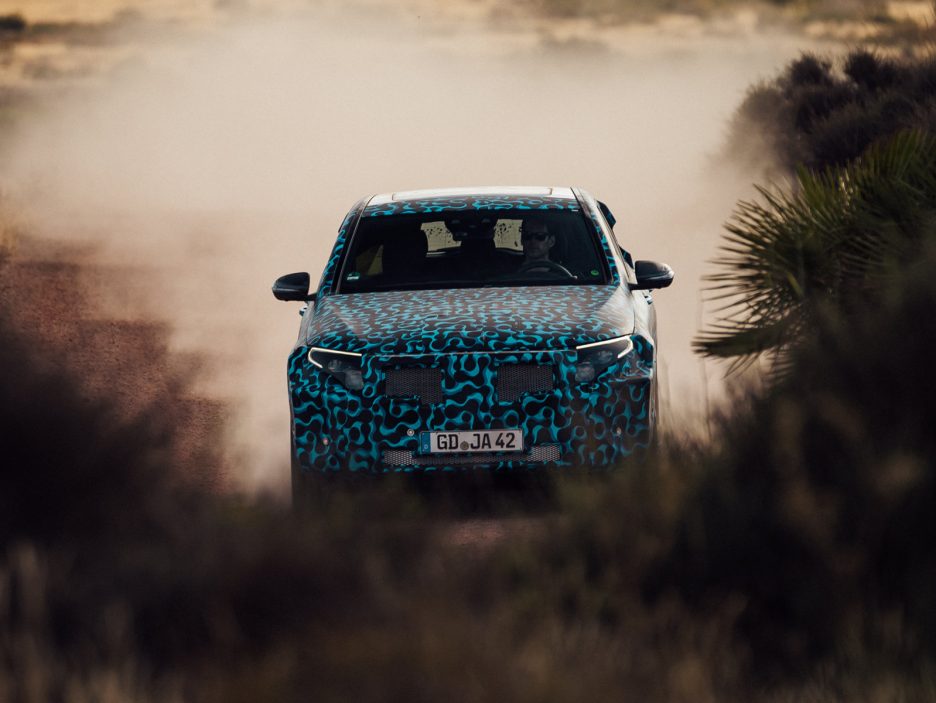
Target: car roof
[[559, 192]]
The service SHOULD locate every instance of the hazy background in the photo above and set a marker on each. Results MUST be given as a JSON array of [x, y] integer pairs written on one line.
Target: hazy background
[[216, 156]]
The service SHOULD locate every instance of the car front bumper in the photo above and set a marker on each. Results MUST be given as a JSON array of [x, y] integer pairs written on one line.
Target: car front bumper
[[564, 423]]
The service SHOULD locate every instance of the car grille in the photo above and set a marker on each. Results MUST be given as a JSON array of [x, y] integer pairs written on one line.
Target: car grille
[[539, 454], [514, 380], [425, 384]]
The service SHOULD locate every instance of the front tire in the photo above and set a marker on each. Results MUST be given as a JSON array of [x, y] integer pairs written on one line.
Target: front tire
[[318, 491], [302, 483]]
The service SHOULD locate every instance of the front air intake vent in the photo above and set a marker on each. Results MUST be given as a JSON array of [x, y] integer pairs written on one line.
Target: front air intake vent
[[540, 454], [515, 380], [425, 384]]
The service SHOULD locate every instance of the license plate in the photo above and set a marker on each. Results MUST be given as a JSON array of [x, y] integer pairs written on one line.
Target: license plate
[[469, 441]]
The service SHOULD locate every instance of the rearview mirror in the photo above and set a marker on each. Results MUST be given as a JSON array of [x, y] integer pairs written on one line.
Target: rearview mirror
[[293, 286], [651, 274]]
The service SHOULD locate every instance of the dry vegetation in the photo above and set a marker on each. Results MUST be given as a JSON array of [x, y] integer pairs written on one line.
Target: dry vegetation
[[791, 556], [648, 9], [8, 232], [880, 21]]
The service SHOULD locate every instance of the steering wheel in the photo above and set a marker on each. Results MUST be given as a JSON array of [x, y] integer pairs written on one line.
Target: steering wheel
[[545, 265]]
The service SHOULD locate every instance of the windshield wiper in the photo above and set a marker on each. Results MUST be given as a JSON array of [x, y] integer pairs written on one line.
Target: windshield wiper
[[420, 285], [539, 281], [378, 286]]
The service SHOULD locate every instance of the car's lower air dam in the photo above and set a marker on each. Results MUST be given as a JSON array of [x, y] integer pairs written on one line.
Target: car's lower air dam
[[540, 454]]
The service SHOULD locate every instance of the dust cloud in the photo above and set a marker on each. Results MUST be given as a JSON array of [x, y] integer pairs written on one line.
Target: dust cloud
[[224, 157]]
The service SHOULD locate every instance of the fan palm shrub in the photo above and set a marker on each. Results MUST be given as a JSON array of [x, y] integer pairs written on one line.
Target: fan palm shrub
[[834, 242]]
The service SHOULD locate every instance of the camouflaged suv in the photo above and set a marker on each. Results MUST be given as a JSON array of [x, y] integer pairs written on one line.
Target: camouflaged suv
[[500, 329]]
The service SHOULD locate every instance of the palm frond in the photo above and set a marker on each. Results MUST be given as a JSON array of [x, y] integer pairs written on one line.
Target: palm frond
[[833, 239]]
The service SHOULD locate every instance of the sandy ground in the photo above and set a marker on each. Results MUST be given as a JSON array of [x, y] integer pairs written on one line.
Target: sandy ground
[[63, 294]]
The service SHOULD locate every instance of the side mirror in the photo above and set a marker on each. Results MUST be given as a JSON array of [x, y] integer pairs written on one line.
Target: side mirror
[[651, 274], [293, 286]]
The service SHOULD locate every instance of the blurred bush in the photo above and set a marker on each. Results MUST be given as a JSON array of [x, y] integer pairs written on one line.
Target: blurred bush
[[819, 506], [793, 552], [8, 233], [119, 580], [648, 10], [790, 555], [13, 23], [819, 114]]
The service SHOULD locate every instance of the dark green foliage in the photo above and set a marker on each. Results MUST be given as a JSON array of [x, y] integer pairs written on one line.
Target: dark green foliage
[[805, 529], [819, 508], [872, 73], [820, 117], [12, 23], [856, 210], [837, 240], [809, 70]]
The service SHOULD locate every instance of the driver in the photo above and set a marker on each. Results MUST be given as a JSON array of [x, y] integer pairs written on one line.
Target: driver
[[536, 240]]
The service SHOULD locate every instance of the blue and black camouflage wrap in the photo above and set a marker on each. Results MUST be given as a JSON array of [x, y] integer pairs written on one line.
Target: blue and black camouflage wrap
[[450, 204], [330, 273], [467, 338]]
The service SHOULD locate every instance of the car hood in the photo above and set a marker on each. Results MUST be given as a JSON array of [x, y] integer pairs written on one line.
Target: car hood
[[470, 320]]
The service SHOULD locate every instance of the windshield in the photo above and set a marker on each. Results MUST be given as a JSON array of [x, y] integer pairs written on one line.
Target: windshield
[[472, 249]]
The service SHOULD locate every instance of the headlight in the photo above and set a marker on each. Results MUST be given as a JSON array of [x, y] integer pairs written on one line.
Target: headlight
[[343, 366], [595, 358]]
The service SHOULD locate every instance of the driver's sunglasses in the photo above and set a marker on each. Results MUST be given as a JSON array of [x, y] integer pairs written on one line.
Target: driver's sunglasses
[[538, 236]]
